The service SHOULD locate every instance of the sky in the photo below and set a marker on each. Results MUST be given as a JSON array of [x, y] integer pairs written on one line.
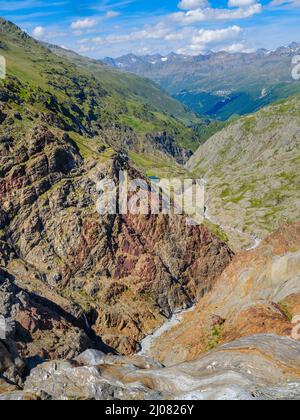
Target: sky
[[117, 27]]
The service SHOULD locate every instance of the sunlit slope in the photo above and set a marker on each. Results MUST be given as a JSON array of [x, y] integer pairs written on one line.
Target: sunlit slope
[[90, 99], [252, 168]]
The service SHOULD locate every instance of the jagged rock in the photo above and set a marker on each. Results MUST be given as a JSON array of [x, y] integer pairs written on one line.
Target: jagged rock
[[167, 144], [102, 263], [35, 327], [20, 396], [261, 367], [11, 366], [2, 117], [7, 387], [91, 358]]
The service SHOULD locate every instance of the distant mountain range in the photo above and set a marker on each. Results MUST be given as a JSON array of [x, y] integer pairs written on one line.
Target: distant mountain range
[[219, 85]]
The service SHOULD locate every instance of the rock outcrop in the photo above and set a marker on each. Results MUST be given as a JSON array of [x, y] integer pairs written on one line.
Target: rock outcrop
[[39, 328], [11, 366], [261, 367], [258, 293], [167, 144]]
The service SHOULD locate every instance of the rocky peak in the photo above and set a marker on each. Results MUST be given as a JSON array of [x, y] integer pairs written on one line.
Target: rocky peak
[[12, 29]]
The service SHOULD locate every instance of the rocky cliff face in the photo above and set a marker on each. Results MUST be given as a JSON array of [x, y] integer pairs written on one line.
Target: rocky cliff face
[[258, 293], [39, 327], [261, 367], [124, 273], [62, 118]]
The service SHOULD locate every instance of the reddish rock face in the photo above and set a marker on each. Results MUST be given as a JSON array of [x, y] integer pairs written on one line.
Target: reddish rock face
[[126, 273], [258, 293]]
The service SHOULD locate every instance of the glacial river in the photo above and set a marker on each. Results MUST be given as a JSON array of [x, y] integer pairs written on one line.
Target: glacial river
[[176, 319]]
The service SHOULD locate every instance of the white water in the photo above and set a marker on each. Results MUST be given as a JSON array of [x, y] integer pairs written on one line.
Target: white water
[[176, 319]]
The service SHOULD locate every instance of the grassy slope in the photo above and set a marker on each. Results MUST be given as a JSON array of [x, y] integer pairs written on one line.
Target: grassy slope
[[88, 96], [253, 169], [244, 101], [129, 86]]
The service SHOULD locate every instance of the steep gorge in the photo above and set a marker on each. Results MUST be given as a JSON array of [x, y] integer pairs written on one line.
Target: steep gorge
[[62, 131]]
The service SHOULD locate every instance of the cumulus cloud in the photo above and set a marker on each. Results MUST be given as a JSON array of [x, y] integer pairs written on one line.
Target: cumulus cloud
[[193, 4], [193, 41], [86, 23], [39, 32], [238, 47], [112, 14], [210, 14], [207, 36]]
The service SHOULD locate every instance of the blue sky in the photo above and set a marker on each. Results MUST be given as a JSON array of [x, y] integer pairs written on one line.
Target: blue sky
[[117, 27]]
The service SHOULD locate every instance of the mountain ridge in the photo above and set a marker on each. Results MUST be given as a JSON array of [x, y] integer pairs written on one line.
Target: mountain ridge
[[124, 110], [220, 84]]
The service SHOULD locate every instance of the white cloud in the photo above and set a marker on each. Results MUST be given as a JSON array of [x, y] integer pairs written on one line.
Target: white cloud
[[236, 48], [208, 36], [86, 23], [112, 14], [193, 4], [39, 32], [211, 14], [241, 3], [193, 41]]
